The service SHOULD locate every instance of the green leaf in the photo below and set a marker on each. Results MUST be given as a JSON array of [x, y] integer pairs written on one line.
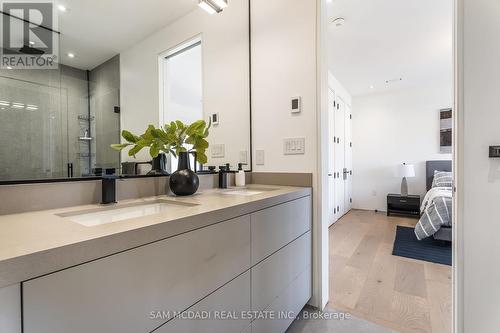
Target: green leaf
[[202, 158], [154, 151], [134, 150], [120, 146], [129, 136]]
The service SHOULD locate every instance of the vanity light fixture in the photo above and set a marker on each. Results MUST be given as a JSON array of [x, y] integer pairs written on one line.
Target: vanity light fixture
[[18, 105], [71, 55], [61, 8], [213, 6], [31, 107]]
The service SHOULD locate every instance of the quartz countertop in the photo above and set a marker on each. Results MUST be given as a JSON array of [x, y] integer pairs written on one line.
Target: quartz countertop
[[38, 243]]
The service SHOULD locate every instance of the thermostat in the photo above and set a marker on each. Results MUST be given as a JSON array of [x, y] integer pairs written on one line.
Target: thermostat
[[296, 104], [215, 118]]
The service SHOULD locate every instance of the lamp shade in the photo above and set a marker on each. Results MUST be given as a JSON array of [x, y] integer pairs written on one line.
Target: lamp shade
[[406, 170]]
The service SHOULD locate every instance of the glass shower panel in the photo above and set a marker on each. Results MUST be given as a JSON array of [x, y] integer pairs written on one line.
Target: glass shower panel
[[32, 125]]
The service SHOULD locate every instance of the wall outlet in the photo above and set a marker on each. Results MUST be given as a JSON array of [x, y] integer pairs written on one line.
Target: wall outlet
[[243, 157], [218, 151], [259, 157], [295, 146]]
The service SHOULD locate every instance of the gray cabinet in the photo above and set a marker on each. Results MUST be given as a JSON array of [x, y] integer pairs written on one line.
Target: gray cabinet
[[277, 226], [260, 261], [273, 276], [233, 297], [117, 293], [10, 309]]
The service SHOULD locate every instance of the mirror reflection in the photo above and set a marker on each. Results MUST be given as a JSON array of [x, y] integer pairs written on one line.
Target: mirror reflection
[[125, 66]]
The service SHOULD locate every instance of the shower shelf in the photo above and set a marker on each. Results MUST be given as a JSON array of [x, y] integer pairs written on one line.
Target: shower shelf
[[83, 138]]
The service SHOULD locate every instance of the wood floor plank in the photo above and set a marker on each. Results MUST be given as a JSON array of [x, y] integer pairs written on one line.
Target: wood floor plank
[[411, 313], [366, 280], [410, 278]]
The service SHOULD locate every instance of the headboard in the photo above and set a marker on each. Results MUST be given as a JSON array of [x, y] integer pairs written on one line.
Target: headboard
[[432, 166]]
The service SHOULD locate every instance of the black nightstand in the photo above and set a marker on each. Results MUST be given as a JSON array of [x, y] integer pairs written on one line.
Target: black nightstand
[[405, 206]]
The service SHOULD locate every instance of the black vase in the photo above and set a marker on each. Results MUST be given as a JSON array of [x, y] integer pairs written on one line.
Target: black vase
[[184, 181], [159, 165]]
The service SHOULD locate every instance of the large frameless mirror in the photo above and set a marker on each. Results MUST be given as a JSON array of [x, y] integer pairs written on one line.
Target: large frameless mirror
[[120, 66]]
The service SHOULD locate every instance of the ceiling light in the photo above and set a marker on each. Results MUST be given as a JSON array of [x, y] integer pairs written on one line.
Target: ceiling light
[[220, 3], [61, 8], [329, 1], [18, 105], [4, 103], [31, 107], [71, 55], [207, 7], [372, 87], [8, 67], [32, 42], [213, 6]]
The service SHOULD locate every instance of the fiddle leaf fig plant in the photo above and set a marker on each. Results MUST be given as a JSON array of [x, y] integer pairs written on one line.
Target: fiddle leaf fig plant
[[173, 138]]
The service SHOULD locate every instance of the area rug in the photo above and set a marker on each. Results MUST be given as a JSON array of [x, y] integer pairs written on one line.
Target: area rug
[[407, 245]]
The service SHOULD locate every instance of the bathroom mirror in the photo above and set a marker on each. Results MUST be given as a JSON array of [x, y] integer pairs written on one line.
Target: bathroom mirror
[[124, 65]]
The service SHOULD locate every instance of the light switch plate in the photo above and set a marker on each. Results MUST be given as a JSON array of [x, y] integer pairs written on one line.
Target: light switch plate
[[243, 157], [218, 151], [296, 104], [259, 157], [294, 146]]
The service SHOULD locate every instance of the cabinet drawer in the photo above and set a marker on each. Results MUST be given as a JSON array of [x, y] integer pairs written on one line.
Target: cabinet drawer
[[10, 309], [235, 296], [292, 300], [271, 277], [277, 226], [117, 293]]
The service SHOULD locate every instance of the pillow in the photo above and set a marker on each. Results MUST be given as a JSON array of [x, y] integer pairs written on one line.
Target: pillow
[[442, 179]]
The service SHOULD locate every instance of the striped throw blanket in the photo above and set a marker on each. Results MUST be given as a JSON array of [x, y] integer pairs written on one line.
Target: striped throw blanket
[[436, 212]]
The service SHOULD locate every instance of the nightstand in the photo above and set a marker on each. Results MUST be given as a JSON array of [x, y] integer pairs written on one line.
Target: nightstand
[[404, 206]]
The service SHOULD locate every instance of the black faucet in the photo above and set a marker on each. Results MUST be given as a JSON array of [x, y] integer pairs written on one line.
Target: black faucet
[[223, 172], [108, 189]]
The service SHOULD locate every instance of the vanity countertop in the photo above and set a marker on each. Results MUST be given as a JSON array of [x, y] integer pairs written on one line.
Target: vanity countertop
[[38, 243]]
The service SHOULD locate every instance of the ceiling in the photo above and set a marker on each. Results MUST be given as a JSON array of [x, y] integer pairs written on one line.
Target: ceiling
[[96, 30], [388, 40]]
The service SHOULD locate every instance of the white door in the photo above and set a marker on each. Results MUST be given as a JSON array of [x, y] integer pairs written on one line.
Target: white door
[[339, 135], [348, 160], [331, 157]]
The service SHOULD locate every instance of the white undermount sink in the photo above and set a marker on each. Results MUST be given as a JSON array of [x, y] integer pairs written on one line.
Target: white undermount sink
[[100, 216], [249, 191]]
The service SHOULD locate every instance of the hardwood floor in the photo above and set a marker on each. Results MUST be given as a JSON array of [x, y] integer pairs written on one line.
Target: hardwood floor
[[367, 281]]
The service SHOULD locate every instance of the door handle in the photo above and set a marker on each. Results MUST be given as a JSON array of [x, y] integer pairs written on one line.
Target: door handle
[[345, 173]]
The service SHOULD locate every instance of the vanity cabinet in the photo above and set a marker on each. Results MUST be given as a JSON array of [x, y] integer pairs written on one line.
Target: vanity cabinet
[[260, 261], [10, 309], [118, 293], [219, 310], [275, 227]]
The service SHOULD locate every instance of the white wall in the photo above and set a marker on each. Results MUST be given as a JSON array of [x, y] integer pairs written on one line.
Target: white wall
[[225, 76], [283, 66], [479, 177], [392, 128]]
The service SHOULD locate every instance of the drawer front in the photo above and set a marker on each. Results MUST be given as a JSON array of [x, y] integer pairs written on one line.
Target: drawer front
[[117, 293], [292, 300], [404, 202], [271, 277], [10, 309], [277, 226], [235, 296]]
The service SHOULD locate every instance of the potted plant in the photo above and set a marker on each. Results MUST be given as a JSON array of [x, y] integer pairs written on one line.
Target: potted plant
[[177, 139]]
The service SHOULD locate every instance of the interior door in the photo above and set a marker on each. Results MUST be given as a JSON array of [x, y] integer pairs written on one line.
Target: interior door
[[348, 160], [331, 157], [339, 157]]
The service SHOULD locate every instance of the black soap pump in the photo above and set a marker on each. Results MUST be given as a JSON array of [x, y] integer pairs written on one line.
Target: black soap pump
[[223, 172]]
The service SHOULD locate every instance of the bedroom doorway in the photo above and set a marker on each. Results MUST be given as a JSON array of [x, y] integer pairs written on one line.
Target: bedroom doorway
[[391, 101]]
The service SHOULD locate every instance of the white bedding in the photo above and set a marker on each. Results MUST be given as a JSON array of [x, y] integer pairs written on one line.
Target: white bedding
[[433, 193]]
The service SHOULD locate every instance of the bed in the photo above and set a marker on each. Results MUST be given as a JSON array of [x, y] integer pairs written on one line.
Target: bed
[[437, 223]]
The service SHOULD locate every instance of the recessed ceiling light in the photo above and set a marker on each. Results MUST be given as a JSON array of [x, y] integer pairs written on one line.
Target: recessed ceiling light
[[8, 67], [372, 87], [62, 8], [329, 1], [71, 55]]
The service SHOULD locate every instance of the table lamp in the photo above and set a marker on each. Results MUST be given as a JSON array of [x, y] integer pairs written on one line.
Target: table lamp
[[405, 171]]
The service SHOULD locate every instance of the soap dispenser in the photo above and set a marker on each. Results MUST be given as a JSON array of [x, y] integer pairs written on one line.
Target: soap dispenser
[[240, 176]]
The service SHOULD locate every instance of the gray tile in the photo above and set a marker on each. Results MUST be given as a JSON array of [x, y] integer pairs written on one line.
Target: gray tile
[[333, 321]]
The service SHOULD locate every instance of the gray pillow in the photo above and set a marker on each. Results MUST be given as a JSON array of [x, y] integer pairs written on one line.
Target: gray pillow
[[442, 179]]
